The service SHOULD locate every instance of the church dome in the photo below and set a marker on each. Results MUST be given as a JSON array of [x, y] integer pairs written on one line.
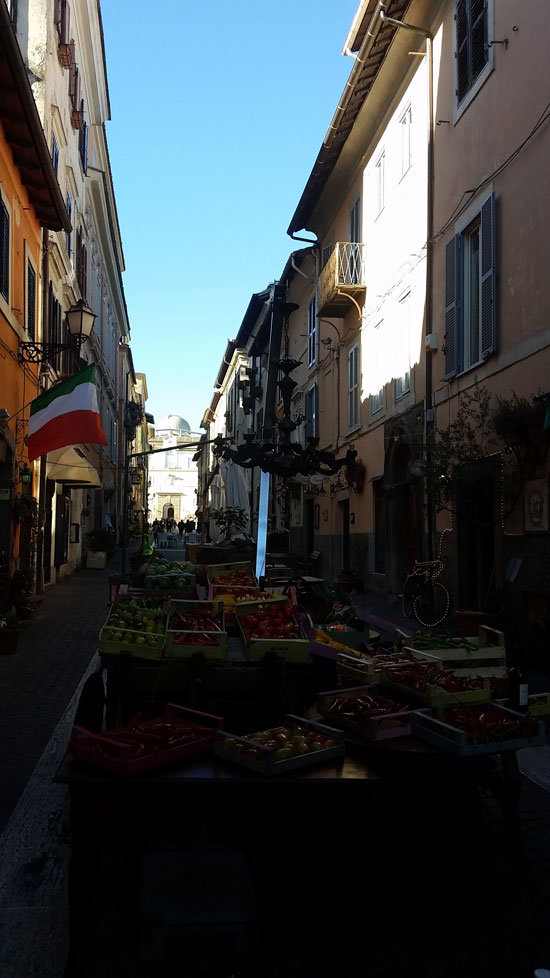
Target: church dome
[[173, 423]]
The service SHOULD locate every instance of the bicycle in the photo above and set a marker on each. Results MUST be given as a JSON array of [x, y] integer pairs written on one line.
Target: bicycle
[[423, 595]]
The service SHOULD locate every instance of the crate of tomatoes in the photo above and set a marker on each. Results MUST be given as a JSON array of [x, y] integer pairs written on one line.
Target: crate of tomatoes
[[142, 745], [272, 626], [195, 626], [299, 743], [482, 729], [234, 575]]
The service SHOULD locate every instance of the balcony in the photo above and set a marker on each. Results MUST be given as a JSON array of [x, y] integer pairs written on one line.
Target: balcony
[[342, 278]]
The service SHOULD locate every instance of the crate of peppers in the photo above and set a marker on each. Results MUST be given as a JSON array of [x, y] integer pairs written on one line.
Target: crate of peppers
[[195, 626], [481, 729], [429, 685]]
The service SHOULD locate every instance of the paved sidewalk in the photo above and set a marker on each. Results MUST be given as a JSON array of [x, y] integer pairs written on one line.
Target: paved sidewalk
[[38, 681]]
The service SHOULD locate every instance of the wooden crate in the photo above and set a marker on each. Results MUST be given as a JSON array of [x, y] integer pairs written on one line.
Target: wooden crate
[[488, 659], [173, 650], [436, 731], [436, 697], [290, 649], [257, 757], [216, 572], [385, 726]]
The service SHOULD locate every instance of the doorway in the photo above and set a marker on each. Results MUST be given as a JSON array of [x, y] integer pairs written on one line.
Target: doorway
[[344, 516], [476, 546]]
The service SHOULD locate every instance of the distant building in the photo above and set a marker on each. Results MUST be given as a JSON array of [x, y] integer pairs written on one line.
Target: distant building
[[173, 474]]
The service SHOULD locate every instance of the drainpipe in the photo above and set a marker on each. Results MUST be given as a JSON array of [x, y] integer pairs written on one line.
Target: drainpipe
[[429, 413]]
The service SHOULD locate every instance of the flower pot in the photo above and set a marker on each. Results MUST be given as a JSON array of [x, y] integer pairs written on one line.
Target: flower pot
[[9, 640]]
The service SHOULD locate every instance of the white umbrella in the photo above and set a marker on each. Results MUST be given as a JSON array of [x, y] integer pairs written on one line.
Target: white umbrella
[[236, 492]]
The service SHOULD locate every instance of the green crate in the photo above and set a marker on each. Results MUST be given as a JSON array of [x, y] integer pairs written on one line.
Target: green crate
[[436, 697], [152, 646], [291, 649], [174, 651]]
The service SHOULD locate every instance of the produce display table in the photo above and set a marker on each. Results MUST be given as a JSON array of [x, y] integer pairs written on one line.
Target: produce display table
[[349, 827]]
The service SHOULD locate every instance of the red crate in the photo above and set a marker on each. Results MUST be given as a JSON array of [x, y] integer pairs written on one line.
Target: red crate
[[86, 746]]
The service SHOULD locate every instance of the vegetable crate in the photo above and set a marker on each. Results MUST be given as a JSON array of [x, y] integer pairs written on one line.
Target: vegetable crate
[[481, 655], [261, 755], [210, 640], [434, 696], [143, 745], [183, 583], [135, 626], [539, 704], [383, 726], [290, 649], [436, 731], [243, 571]]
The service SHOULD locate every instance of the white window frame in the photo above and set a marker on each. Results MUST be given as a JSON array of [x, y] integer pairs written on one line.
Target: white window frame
[[402, 385], [460, 107], [405, 122], [354, 387], [312, 332], [377, 400], [379, 169], [471, 358], [29, 260]]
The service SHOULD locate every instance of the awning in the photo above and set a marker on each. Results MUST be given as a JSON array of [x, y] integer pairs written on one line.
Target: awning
[[71, 466]]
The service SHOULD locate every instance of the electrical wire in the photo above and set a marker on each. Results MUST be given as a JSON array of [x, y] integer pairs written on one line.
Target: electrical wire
[[545, 114]]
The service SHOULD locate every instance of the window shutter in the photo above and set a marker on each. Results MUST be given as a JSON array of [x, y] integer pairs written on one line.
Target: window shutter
[[488, 278], [453, 252], [4, 251], [31, 301], [315, 411], [353, 387]]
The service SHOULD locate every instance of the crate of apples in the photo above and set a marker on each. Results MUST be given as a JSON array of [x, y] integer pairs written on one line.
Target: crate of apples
[[297, 744]]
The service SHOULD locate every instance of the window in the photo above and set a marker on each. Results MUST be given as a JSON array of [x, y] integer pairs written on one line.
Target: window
[[231, 409], [69, 212], [31, 300], [62, 20], [405, 125], [83, 140], [312, 411], [54, 323], [354, 407], [377, 399], [355, 236], [380, 180], [326, 253], [81, 264], [402, 346], [472, 53], [470, 306], [311, 333], [55, 154], [4, 251]]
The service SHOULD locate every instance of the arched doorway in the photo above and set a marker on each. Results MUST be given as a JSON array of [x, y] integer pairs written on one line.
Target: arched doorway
[[168, 512], [403, 511]]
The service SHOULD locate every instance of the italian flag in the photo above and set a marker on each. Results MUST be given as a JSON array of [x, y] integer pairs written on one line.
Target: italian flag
[[67, 414]]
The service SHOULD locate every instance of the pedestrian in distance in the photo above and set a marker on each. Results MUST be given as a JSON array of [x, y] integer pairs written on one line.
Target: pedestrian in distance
[[181, 528]]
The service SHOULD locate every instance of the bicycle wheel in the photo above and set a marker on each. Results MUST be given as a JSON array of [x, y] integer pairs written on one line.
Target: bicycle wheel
[[410, 593], [431, 606]]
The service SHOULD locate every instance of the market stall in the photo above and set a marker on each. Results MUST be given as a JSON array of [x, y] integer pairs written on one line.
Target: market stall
[[221, 738]]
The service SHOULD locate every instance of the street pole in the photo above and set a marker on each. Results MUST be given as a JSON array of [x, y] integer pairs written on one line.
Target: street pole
[[125, 509]]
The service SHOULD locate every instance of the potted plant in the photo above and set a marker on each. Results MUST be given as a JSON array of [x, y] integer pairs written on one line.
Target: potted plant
[[10, 632], [230, 521]]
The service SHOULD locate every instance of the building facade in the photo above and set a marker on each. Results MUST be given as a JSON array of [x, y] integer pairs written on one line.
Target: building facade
[[173, 478]]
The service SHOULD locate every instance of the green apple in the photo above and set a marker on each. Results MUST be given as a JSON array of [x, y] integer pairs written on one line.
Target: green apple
[[283, 754]]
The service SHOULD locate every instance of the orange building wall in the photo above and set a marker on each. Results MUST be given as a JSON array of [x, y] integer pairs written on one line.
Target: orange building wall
[[18, 381]]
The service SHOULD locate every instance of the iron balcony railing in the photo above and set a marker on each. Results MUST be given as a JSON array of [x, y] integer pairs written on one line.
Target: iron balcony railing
[[342, 276]]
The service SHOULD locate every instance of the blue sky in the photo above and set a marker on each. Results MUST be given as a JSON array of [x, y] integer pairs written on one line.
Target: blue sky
[[218, 112]]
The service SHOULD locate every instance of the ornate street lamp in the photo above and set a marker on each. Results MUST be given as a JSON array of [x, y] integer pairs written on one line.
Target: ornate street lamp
[[80, 321]]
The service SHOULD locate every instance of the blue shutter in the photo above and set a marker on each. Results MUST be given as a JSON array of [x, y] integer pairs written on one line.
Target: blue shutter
[[488, 278], [453, 306]]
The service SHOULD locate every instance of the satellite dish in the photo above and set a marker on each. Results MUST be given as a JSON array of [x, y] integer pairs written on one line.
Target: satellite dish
[[417, 468]]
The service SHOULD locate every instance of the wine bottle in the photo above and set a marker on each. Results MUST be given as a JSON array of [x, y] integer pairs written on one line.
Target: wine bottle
[[519, 683]]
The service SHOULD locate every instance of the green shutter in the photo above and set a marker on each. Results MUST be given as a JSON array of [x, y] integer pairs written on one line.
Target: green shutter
[[488, 278], [4, 251], [453, 306]]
